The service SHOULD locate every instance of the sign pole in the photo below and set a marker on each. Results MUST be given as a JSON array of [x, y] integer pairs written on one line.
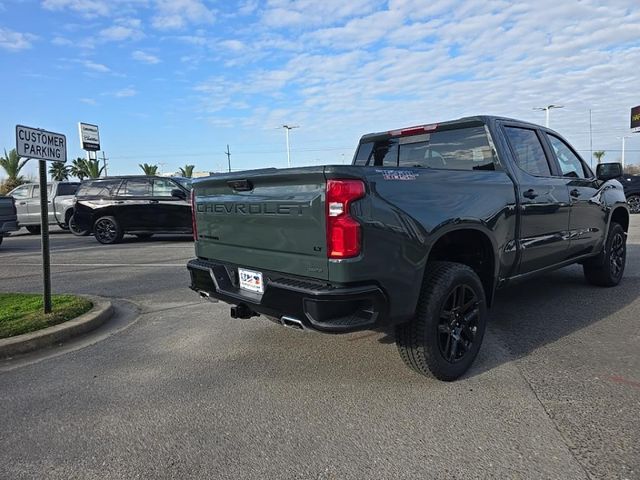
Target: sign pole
[[44, 230]]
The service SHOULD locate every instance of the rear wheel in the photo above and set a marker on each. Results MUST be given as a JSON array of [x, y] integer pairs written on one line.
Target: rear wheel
[[108, 231], [33, 229], [634, 203], [444, 338], [77, 231], [608, 268]]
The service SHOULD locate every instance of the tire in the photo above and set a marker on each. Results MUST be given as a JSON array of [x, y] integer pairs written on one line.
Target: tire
[[33, 229], [108, 231], [144, 236], [75, 230], [445, 335], [607, 269], [633, 201], [64, 226]]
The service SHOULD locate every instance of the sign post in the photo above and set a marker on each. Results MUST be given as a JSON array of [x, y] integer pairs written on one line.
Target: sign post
[[44, 146]]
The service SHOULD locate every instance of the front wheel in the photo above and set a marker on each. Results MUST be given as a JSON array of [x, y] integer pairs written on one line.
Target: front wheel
[[77, 231], [633, 201], [445, 335], [608, 268], [108, 231]]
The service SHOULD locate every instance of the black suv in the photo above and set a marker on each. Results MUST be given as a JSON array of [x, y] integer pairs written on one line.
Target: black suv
[[139, 205]]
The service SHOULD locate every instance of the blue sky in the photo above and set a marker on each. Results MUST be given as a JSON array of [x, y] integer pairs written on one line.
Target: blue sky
[[174, 82]]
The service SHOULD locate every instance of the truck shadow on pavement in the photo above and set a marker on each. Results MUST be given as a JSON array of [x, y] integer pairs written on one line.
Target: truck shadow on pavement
[[538, 312]]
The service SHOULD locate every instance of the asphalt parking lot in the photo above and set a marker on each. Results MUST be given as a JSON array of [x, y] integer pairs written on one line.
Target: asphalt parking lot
[[175, 388]]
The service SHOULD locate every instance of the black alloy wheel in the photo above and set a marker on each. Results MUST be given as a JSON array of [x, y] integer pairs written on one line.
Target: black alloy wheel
[[107, 231], [458, 323], [617, 255], [633, 201]]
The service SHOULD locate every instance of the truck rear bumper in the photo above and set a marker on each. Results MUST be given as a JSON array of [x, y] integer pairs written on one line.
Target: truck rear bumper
[[316, 305]]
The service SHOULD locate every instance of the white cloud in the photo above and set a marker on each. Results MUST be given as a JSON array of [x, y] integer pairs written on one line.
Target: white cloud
[[306, 13], [96, 67], [144, 57], [177, 14], [124, 29], [15, 41], [89, 101], [85, 7], [61, 41], [125, 92]]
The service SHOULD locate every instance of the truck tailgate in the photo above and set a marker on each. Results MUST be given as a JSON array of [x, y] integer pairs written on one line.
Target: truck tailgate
[[264, 219]]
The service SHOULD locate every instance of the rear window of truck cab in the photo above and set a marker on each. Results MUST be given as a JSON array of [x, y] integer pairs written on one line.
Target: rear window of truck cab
[[453, 149]]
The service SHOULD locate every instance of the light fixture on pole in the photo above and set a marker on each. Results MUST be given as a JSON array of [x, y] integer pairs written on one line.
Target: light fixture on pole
[[546, 109], [624, 137], [287, 128]]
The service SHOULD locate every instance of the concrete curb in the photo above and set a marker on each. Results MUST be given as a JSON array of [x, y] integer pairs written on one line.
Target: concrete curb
[[101, 312]]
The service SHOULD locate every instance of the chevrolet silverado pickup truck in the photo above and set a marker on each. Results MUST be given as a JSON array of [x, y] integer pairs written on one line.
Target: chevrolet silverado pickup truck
[[60, 196], [414, 237], [8, 217]]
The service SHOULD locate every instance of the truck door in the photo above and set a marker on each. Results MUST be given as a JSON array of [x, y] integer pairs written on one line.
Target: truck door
[[33, 206], [587, 219], [170, 213], [544, 204], [22, 195]]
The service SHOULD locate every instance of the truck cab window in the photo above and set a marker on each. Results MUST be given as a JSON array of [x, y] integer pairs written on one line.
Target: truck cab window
[[21, 192], [528, 152], [570, 164]]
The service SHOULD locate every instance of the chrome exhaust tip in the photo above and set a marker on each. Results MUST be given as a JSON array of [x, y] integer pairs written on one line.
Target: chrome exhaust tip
[[291, 323]]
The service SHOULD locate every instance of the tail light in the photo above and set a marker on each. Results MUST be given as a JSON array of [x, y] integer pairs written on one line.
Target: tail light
[[343, 231], [194, 227]]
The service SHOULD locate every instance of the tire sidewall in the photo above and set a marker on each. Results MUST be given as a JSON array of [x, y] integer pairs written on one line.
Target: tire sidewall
[[614, 230], [441, 367], [118, 235]]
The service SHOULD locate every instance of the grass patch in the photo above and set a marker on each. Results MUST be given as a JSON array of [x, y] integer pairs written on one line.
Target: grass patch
[[23, 312]]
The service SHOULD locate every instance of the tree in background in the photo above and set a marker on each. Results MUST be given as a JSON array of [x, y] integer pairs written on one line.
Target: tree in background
[[83, 168], [598, 155], [93, 168], [187, 171], [78, 168], [148, 169], [12, 165], [59, 171]]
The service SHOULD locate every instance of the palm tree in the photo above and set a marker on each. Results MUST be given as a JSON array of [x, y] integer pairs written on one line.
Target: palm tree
[[59, 171], [83, 168], [187, 171], [78, 168], [599, 154], [92, 168], [12, 165], [148, 169]]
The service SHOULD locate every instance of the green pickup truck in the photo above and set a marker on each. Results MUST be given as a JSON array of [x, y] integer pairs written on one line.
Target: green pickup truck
[[413, 238]]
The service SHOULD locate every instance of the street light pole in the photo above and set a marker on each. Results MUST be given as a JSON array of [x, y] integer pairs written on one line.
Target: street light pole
[[624, 137], [287, 128], [546, 109]]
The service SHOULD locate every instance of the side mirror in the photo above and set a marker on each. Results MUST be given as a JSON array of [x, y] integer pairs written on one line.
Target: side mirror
[[607, 171], [176, 192]]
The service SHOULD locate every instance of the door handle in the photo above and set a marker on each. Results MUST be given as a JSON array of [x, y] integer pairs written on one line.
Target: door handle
[[22, 203], [531, 193], [575, 193], [119, 201], [153, 201]]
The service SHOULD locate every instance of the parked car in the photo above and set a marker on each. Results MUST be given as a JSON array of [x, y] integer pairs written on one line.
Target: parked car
[[416, 235], [139, 205], [630, 183], [8, 217], [60, 196]]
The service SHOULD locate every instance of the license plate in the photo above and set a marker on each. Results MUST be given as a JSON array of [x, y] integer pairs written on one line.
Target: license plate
[[250, 280]]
